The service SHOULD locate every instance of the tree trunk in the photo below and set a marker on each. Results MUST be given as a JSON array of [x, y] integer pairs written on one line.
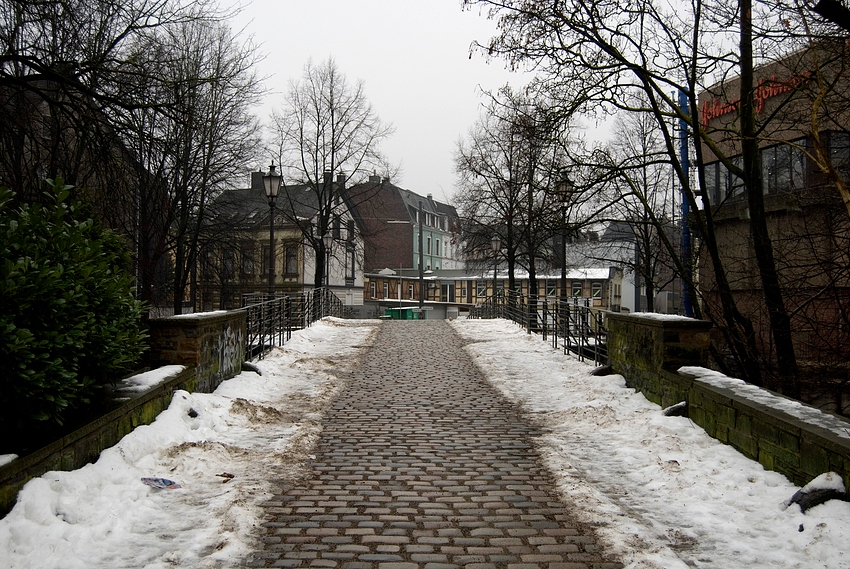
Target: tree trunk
[[780, 322]]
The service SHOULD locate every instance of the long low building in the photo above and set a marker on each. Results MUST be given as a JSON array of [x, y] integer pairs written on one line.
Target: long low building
[[448, 292]]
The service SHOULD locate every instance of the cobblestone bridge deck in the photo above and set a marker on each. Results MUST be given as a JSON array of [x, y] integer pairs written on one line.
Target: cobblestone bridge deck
[[422, 464]]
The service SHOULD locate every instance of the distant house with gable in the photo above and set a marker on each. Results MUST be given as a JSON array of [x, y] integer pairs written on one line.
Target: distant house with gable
[[235, 255], [392, 218]]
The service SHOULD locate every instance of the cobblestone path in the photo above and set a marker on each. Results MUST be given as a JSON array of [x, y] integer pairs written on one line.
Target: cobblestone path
[[422, 464]]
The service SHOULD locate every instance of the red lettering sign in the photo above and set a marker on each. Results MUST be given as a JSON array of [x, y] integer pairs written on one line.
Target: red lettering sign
[[767, 88]]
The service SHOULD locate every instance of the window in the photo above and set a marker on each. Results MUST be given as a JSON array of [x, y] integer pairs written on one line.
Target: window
[[798, 164], [776, 168], [577, 288], [481, 289], [264, 258], [247, 254], [386, 289], [463, 293], [349, 230], [349, 263], [46, 127], [839, 151], [711, 183], [207, 265], [290, 259], [337, 228], [410, 290], [550, 288], [437, 245], [428, 246], [784, 167], [372, 288], [447, 293], [736, 184], [596, 290], [228, 263]]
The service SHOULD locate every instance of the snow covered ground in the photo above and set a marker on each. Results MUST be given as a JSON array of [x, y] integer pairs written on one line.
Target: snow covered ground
[[227, 450], [659, 491]]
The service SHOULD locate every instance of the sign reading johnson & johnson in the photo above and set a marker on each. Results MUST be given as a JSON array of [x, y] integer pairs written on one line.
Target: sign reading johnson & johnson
[[767, 88]]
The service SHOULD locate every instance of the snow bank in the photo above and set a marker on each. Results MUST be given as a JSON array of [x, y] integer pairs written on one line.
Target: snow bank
[[659, 491], [224, 449]]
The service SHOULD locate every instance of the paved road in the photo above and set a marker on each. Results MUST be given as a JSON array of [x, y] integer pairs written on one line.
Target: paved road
[[422, 464]]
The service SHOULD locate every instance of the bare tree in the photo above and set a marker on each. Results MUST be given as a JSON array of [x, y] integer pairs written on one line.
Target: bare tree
[[141, 105], [509, 170], [597, 54], [490, 188], [634, 171], [65, 65], [326, 128], [192, 151]]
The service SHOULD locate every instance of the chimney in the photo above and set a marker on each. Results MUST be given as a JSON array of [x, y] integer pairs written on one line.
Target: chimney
[[340, 180], [257, 180], [328, 180], [374, 179]]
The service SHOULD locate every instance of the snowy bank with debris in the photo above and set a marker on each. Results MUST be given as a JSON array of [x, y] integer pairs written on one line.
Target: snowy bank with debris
[[224, 449]]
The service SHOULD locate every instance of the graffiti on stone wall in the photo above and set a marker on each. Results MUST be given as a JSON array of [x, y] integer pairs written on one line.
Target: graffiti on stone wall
[[231, 352]]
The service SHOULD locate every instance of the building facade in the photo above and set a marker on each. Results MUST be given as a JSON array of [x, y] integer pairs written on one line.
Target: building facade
[[393, 219], [235, 258], [600, 288], [805, 157]]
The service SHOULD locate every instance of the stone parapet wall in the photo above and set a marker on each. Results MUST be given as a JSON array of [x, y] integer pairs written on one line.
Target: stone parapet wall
[[801, 445], [649, 351], [85, 444], [641, 347], [212, 342]]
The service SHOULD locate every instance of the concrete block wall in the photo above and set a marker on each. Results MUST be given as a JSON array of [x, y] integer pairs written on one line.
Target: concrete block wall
[[648, 352], [211, 346]]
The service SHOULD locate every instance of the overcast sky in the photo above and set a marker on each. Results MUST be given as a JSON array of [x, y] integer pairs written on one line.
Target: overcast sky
[[413, 57]]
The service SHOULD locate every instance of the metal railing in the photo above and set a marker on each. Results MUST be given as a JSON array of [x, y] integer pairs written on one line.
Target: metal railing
[[271, 321], [572, 324]]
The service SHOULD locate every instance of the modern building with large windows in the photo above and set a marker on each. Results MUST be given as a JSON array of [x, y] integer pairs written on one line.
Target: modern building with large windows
[[802, 111], [600, 288]]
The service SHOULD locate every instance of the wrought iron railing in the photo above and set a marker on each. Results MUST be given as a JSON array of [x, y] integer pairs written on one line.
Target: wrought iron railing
[[571, 323], [271, 321]]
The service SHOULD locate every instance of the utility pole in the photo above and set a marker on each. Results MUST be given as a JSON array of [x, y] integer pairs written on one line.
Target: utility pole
[[687, 297]]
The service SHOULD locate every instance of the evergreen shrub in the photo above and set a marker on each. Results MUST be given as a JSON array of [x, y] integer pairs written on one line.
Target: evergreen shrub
[[68, 319]]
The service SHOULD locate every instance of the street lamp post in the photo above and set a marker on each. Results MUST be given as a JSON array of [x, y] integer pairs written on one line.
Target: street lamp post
[[271, 184], [564, 190], [328, 240], [495, 245]]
